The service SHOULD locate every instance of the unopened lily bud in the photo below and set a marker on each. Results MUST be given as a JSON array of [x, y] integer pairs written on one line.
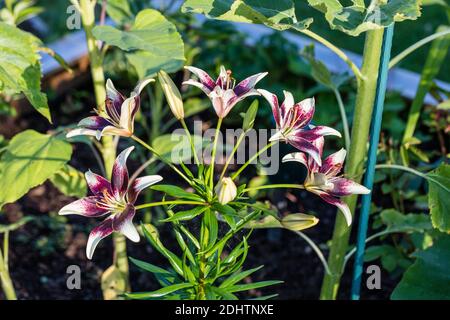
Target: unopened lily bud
[[172, 94], [226, 190], [299, 221]]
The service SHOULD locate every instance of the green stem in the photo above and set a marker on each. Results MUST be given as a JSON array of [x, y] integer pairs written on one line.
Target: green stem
[[148, 147], [87, 11], [213, 156], [416, 46], [278, 185], [230, 157], [5, 277], [344, 119], [413, 171], [188, 133], [316, 250], [249, 161], [355, 163], [372, 237], [358, 73], [232, 232], [163, 203]]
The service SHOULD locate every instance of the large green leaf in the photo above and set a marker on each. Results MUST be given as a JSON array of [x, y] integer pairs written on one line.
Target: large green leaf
[[398, 222], [439, 197], [20, 69], [151, 44], [279, 15], [428, 278], [357, 18], [29, 160], [70, 181]]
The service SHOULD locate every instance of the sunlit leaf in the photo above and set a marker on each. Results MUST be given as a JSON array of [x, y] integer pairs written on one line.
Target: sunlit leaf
[[70, 181], [357, 17], [20, 69], [29, 160], [279, 15], [151, 44]]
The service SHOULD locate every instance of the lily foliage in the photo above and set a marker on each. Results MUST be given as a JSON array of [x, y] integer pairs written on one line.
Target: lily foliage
[[210, 264]]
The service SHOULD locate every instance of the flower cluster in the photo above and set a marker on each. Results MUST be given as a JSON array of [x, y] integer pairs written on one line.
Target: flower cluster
[[293, 124], [116, 198]]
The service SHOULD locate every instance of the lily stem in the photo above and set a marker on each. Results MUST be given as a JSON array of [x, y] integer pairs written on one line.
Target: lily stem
[[163, 203], [108, 148], [230, 157], [412, 171], [336, 50], [5, 277], [316, 250], [273, 186], [148, 147], [213, 155], [344, 118], [254, 157], [355, 162], [188, 133]]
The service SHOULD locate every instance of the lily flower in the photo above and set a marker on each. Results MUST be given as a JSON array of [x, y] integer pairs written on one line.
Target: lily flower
[[118, 117], [293, 123], [224, 93], [115, 199], [324, 181]]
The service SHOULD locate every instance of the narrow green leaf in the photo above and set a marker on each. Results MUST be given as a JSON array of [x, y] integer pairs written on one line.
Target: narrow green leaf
[[158, 293], [223, 293], [176, 192], [152, 236], [186, 215], [250, 116], [148, 266], [251, 286], [238, 276]]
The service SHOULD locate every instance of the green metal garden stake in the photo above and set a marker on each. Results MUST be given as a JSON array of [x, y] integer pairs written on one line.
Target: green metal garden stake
[[372, 160]]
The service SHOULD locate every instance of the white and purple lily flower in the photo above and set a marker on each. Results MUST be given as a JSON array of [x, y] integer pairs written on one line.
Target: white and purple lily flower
[[224, 93], [118, 118], [324, 181], [293, 123], [115, 198]]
